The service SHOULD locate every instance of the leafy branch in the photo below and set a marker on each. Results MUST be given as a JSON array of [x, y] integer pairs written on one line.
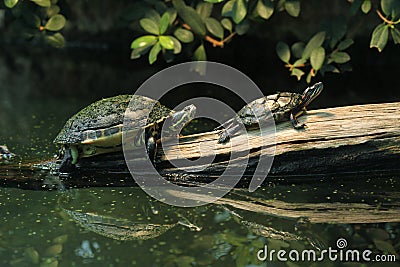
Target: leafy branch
[[176, 27]]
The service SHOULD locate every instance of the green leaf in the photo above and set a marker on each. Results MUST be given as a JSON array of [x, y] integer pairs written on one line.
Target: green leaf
[[10, 3], [317, 58], [265, 8], [160, 6], [200, 53], [239, 11], [53, 10], [345, 44], [298, 73], [214, 1], [227, 24], [215, 27], [172, 15], [144, 41], [329, 68], [184, 36], [56, 40], [336, 29], [138, 52], [43, 3], [164, 23], [204, 9], [395, 35], [243, 27], [150, 26], [227, 8], [177, 45], [379, 37], [166, 42], [366, 6], [155, 50], [153, 15], [190, 16], [297, 49], [355, 6], [315, 41], [283, 51], [391, 8], [55, 23], [340, 57], [309, 76], [299, 63], [292, 7]]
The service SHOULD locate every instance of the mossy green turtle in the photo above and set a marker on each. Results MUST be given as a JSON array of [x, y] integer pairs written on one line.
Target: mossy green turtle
[[97, 129], [283, 106]]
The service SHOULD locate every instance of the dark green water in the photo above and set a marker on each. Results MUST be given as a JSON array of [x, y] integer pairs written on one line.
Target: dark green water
[[125, 227]]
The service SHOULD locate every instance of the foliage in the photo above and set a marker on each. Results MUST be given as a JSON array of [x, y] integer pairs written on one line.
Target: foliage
[[178, 27], [38, 19]]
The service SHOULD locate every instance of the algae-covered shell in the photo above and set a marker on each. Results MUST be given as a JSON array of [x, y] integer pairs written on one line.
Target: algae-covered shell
[[104, 119]]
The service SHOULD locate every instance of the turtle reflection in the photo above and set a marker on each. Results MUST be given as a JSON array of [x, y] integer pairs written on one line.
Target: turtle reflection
[[122, 214], [274, 234]]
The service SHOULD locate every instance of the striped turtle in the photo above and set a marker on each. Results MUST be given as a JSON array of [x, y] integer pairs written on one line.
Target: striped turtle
[[97, 129], [284, 106]]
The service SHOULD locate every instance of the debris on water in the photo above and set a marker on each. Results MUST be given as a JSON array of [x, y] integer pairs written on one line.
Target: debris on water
[[5, 154], [222, 216], [85, 250]]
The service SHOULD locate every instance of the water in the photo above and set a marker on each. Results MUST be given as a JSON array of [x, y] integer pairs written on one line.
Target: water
[[124, 227]]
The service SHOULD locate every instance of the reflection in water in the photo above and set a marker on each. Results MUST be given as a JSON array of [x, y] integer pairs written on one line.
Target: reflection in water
[[125, 227], [118, 229]]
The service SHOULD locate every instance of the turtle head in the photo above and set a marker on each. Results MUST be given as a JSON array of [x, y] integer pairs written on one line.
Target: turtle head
[[311, 93], [180, 118]]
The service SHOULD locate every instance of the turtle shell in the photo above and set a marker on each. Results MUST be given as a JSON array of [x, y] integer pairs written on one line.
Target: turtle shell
[[104, 119], [280, 105]]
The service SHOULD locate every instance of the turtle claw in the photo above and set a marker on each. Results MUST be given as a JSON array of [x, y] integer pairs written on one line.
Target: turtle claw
[[224, 137], [295, 123], [300, 126]]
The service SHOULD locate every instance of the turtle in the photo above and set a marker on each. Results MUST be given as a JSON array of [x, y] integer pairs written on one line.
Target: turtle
[[284, 106], [97, 129]]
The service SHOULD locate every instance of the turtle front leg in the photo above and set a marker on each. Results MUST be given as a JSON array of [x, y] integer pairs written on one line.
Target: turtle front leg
[[295, 122], [226, 134], [67, 163]]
